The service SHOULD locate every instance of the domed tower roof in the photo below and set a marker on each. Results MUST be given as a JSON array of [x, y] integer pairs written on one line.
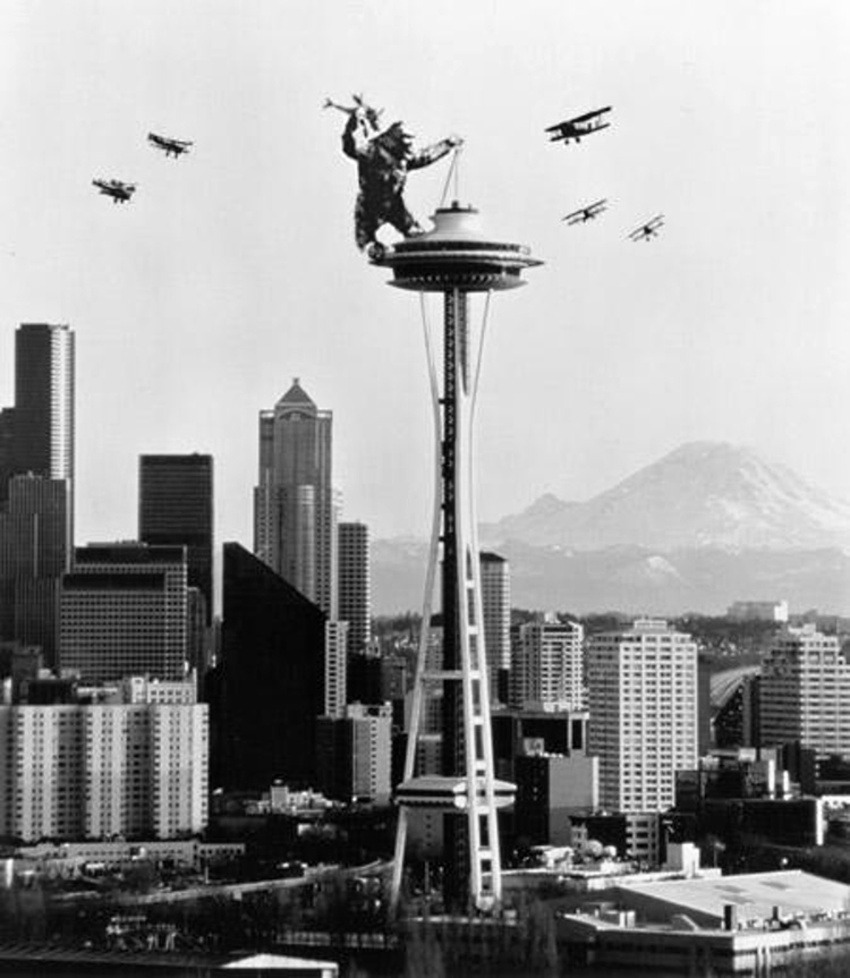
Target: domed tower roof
[[456, 254], [296, 397]]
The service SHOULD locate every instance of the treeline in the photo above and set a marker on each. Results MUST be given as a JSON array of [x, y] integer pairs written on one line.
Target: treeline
[[522, 943]]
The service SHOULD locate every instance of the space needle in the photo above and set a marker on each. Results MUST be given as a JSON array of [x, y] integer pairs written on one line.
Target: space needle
[[456, 259]]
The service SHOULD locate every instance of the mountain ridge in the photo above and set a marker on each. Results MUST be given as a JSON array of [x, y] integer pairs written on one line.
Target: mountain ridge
[[707, 524], [700, 494]]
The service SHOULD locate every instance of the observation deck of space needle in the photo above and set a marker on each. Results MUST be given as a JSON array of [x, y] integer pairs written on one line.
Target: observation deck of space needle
[[456, 259]]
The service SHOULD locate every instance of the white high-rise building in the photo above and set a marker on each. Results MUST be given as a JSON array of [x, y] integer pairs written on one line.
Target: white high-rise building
[[547, 666], [336, 667], [91, 770], [42, 780], [179, 739], [642, 684], [805, 693], [115, 757]]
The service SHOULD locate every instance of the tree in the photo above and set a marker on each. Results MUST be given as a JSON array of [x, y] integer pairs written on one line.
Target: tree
[[423, 956]]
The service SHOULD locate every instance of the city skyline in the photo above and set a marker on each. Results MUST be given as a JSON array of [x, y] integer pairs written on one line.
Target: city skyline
[[213, 650], [196, 302]]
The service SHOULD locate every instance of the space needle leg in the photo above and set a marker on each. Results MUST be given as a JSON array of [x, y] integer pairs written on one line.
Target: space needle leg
[[482, 827], [414, 726]]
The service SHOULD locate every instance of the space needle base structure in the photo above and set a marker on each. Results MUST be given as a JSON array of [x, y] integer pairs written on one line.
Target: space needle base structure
[[455, 259]]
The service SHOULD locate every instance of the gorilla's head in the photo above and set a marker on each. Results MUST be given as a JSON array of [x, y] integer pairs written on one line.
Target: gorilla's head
[[397, 140]]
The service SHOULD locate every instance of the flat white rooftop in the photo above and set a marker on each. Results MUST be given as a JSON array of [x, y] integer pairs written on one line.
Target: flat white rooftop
[[282, 964], [755, 894]]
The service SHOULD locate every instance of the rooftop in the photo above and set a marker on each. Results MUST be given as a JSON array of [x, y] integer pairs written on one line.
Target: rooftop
[[755, 894], [296, 395]]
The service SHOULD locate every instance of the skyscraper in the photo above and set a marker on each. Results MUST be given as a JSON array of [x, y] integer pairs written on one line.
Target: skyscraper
[[642, 684], [43, 419], [336, 668], [35, 551], [176, 507], [123, 611], [269, 685], [294, 513], [355, 597], [805, 692], [496, 612], [547, 666], [7, 448], [37, 525]]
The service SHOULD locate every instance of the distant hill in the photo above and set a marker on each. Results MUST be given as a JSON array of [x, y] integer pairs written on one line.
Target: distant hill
[[706, 525]]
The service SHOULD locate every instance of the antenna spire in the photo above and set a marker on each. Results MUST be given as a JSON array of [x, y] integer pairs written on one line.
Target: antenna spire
[[454, 169]]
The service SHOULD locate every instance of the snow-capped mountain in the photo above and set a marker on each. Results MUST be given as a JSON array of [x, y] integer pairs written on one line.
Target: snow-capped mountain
[[706, 525], [703, 494]]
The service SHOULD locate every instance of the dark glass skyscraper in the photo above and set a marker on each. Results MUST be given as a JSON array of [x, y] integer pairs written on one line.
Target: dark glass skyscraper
[[36, 485], [355, 596], [7, 448], [176, 507], [268, 688], [35, 551]]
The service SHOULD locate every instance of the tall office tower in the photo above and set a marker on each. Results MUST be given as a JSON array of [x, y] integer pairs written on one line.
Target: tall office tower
[[642, 684], [134, 766], [43, 417], [199, 634], [353, 753], [547, 666], [805, 693], [294, 512], [37, 437], [269, 685], [496, 611], [123, 612], [176, 507], [354, 590], [35, 551]]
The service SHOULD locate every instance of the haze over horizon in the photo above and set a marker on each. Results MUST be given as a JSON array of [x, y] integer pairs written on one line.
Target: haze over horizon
[[234, 268]]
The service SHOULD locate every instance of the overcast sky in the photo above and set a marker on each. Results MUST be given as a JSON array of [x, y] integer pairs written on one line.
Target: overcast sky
[[234, 268]]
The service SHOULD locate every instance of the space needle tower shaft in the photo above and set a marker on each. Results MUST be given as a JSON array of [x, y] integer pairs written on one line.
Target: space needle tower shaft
[[455, 259]]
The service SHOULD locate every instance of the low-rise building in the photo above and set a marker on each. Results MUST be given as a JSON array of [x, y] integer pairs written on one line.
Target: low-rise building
[[354, 753], [551, 788], [720, 925], [758, 611]]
